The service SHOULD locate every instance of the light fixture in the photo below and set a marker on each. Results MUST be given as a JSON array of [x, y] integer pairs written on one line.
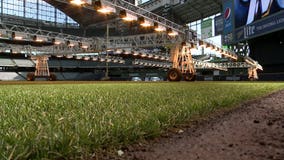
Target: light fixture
[[217, 49], [115, 60], [126, 52], [202, 43], [159, 28], [86, 58], [79, 57], [193, 47], [171, 32], [18, 36], [121, 61], [150, 56], [127, 16], [69, 56], [95, 58], [144, 22], [70, 43], [102, 8], [108, 60], [57, 41], [143, 54], [210, 46], [118, 51], [77, 2], [135, 53], [38, 38], [84, 45], [156, 57], [102, 59]]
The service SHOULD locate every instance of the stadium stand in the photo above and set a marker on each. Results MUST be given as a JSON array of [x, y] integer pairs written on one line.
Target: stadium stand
[[7, 62], [6, 76], [23, 62]]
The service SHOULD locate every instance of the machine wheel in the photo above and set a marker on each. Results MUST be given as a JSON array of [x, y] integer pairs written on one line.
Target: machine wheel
[[189, 77], [30, 76], [52, 77], [174, 75]]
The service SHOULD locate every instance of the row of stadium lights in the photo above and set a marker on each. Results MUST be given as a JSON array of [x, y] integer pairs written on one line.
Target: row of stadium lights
[[127, 16], [93, 58], [152, 63], [222, 51], [100, 7], [19, 36], [143, 55]]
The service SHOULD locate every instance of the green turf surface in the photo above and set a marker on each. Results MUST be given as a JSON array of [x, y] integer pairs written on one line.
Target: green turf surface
[[74, 120]]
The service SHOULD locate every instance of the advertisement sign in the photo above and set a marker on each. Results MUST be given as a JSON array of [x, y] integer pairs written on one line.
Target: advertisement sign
[[266, 25], [218, 25], [228, 16], [206, 28], [249, 11]]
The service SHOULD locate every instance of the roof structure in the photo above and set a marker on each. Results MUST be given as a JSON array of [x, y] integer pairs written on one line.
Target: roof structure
[[185, 12], [85, 17], [193, 10]]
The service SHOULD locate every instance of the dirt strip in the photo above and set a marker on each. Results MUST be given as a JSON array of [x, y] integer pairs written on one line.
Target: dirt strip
[[253, 131]]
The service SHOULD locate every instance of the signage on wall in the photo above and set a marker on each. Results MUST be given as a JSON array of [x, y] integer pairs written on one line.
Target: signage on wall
[[270, 24], [228, 22], [206, 28], [246, 19], [228, 16], [218, 25], [249, 11]]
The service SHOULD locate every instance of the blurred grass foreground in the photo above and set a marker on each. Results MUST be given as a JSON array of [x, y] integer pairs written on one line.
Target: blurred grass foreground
[[52, 121]]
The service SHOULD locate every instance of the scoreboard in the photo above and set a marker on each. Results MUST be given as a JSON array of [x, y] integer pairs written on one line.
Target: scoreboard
[[246, 19]]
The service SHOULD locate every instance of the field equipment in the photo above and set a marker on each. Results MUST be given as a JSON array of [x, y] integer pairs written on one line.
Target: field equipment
[[182, 63], [41, 69]]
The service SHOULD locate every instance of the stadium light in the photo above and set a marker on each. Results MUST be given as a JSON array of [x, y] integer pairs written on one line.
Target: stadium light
[[57, 41], [69, 56], [38, 38], [84, 45], [121, 61], [210, 46], [18, 36], [143, 54], [150, 55], [71, 43], [193, 47], [144, 22], [102, 8], [202, 43], [86, 58], [159, 28], [156, 57], [118, 51], [171, 32], [127, 16], [95, 58], [135, 53], [115, 60], [77, 2]]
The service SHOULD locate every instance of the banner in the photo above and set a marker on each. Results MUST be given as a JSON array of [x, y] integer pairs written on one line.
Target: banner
[[271, 24], [218, 25], [206, 29]]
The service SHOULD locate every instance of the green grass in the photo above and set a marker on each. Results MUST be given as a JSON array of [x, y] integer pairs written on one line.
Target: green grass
[[74, 120]]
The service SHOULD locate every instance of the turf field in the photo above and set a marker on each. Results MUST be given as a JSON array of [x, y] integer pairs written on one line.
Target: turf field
[[47, 120]]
